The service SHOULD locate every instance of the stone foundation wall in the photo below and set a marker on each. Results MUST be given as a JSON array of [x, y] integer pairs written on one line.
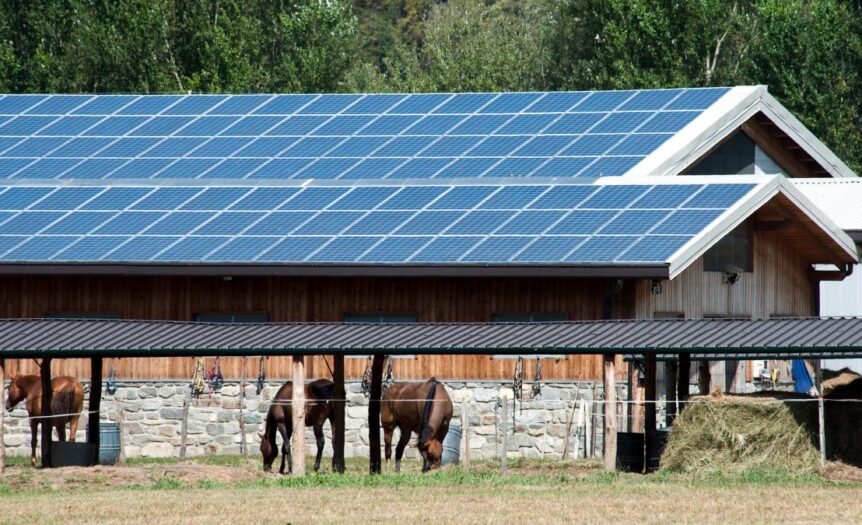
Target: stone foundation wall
[[151, 416]]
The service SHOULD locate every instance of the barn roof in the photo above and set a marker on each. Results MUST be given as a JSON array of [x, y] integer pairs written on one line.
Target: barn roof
[[22, 338], [555, 183], [839, 199]]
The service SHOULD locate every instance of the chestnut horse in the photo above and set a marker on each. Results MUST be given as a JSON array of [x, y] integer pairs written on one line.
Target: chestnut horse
[[319, 408], [424, 408], [67, 398]]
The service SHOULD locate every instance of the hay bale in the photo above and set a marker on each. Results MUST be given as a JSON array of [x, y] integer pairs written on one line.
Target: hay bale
[[738, 433]]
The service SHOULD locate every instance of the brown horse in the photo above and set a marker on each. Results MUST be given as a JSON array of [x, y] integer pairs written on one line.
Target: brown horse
[[424, 408], [319, 408], [67, 398]]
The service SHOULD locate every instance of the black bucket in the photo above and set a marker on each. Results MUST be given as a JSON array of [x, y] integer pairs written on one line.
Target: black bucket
[[630, 451]]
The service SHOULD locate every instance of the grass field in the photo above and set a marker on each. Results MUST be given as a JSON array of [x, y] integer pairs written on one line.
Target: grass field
[[229, 490]]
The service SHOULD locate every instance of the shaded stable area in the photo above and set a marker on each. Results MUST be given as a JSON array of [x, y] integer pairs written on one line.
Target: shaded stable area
[[49, 339]]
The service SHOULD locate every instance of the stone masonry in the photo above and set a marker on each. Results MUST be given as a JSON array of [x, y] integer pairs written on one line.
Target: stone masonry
[[151, 417]]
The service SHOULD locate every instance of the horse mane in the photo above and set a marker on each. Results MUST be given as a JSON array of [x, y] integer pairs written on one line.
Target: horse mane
[[426, 413]]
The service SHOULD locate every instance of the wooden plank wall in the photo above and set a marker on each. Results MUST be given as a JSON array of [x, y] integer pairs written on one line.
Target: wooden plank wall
[[317, 299]]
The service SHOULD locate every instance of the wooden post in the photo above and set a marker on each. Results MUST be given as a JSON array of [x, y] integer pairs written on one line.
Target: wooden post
[[465, 434], [121, 421], [297, 405], [2, 414], [821, 410], [95, 406], [184, 428], [650, 409], [570, 416], [670, 391], [588, 429], [503, 432], [704, 379], [374, 413], [609, 376], [340, 402], [242, 444], [684, 373], [47, 428]]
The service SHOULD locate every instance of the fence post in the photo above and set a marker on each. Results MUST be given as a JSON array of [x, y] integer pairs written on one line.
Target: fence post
[[242, 444], [297, 442], [821, 412], [95, 407], [47, 428], [121, 419], [505, 414], [184, 428], [2, 414], [570, 415], [610, 431], [465, 433]]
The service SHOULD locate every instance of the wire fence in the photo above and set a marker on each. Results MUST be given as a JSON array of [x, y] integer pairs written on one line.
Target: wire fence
[[488, 427]]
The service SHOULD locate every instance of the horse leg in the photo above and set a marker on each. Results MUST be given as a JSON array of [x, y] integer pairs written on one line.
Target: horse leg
[[399, 449], [73, 428], [34, 432], [284, 430], [60, 425], [387, 440], [321, 441]]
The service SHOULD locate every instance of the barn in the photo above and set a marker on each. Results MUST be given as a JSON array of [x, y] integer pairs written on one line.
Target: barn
[[409, 208]]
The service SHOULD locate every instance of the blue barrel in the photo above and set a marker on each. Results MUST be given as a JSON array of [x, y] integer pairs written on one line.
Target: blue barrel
[[452, 446], [109, 443]]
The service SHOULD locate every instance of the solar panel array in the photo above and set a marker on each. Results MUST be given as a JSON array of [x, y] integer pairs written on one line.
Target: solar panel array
[[365, 224], [374, 136]]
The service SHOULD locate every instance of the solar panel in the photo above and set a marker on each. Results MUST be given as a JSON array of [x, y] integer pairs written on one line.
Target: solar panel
[[404, 224], [514, 134]]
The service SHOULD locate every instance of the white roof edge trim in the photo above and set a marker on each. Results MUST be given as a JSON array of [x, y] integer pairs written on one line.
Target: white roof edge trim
[[802, 136], [722, 118], [701, 134], [735, 215]]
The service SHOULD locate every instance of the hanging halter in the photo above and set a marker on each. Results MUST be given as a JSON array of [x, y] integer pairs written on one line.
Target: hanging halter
[[261, 374], [111, 381], [198, 385], [215, 379], [537, 379]]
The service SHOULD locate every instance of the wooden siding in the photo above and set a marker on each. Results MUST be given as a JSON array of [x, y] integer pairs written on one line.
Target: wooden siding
[[319, 299], [778, 286]]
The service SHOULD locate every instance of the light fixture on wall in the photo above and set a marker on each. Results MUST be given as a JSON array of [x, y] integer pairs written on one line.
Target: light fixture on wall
[[655, 287], [732, 274]]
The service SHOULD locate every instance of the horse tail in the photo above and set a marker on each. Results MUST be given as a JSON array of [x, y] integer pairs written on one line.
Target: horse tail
[[64, 405], [426, 413]]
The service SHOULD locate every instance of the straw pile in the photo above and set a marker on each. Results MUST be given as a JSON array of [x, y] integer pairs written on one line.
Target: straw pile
[[739, 433]]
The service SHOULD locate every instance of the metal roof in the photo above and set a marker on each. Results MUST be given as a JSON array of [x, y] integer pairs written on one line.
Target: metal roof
[[838, 198], [20, 338]]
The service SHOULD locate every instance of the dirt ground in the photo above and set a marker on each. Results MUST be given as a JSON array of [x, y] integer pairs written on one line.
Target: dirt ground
[[535, 493]]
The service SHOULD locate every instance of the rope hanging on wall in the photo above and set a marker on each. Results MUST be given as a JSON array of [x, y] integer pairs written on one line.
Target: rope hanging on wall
[[215, 379], [537, 379], [261, 374], [111, 381]]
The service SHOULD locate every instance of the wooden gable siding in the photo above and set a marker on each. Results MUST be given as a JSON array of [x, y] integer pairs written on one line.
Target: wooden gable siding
[[778, 286], [317, 299]]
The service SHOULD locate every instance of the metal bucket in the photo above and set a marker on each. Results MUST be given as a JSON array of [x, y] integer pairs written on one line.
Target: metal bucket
[[109, 443], [452, 446]]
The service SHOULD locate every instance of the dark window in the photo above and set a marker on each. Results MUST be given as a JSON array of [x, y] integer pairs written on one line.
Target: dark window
[[733, 250], [733, 157], [529, 318], [381, 318], [80, 315], [232, 318]]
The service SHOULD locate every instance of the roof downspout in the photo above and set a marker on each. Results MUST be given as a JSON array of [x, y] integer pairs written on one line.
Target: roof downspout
[[608, 303]]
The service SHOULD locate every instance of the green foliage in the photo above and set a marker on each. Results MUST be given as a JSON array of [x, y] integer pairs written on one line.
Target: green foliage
[[808, 52]]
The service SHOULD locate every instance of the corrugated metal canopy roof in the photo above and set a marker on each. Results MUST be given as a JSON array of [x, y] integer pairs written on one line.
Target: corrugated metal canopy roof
[[127, 338]]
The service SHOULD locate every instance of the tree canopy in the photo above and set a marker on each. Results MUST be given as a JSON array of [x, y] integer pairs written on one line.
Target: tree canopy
[[808, 52]]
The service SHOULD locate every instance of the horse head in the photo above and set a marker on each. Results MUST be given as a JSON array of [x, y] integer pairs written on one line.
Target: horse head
[[15, 393], [269, 452], [433, 450]]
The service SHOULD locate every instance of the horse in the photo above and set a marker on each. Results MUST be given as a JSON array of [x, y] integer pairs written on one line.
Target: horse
[[424, 408], [319, 406], [67, 399]]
